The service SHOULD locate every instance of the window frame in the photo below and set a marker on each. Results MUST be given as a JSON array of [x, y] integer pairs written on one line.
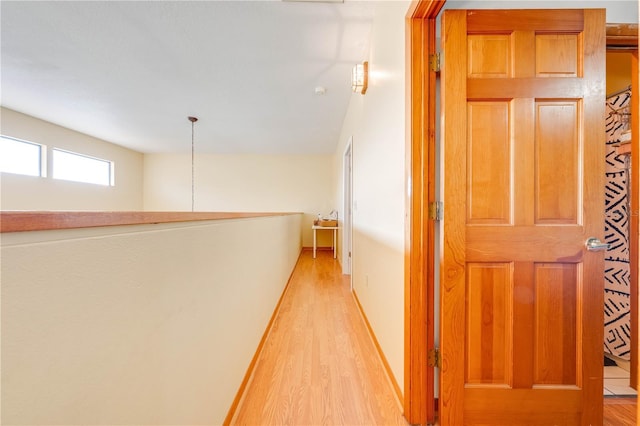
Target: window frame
[[42, 157], [111, 164]]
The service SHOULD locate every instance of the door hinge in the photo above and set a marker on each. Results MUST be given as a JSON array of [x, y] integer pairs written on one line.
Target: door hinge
[[433, 358], [436, 210], [434, 62]]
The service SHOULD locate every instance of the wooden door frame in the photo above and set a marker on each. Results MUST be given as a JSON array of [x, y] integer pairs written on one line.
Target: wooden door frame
[[420, 183], [419, 230]]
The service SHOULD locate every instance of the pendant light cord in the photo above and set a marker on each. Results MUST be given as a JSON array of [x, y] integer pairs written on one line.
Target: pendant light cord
[[193, 163], [193, 172]]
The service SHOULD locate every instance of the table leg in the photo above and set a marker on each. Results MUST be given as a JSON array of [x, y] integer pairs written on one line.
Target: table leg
[[333, 246], [314, 243]]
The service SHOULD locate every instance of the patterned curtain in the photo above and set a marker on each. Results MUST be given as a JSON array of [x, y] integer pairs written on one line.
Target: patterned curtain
[[617, 331]]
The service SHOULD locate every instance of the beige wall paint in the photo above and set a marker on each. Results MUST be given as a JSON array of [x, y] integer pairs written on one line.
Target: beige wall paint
[[33, 193], [376, 121], [146, 325], [247, 183]]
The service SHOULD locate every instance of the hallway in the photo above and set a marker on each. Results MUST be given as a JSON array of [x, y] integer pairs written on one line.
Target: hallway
[[319, 365]]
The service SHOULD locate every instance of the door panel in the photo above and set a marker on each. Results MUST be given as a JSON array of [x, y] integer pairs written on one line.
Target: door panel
[[555, 318], [489, 132], [489, 56], [489, 331], [521, 329], [557, 55], [557, 172]]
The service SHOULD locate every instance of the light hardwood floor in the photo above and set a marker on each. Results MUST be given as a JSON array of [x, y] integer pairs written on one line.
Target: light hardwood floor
[[318, 364], [620, 411]]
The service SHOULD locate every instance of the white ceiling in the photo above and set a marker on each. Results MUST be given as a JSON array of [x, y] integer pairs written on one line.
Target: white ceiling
[[131, 72]]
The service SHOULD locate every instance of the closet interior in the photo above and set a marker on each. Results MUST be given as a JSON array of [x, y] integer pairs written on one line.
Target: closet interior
[[618, 336]]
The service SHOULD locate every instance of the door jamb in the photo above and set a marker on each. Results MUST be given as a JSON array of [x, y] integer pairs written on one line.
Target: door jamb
[[419, 230]]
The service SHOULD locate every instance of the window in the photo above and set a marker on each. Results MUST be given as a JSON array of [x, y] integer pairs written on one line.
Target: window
[[81, 168], [30, 158], [21, 157]]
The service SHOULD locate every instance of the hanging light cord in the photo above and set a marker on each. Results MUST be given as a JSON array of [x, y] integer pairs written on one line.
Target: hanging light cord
[[193, 174]]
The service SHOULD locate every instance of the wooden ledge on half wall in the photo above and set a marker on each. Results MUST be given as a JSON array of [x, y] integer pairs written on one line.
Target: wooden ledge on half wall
[[20, 221]]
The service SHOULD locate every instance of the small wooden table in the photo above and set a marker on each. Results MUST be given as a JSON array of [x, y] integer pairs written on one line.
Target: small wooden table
[[333, 241]]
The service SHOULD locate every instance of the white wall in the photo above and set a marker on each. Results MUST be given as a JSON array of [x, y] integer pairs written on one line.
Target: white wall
[[243, 183], [146, 325], [35, 193], [376, 121]]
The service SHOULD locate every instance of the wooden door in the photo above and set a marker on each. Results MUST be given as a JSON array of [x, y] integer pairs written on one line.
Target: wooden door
[[522, 299]]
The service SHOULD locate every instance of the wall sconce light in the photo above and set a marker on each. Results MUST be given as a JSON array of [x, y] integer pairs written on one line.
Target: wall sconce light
[[360, 78]]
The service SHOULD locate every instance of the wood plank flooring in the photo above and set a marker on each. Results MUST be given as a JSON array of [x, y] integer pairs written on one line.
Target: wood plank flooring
[[620, 411], [318, 364]]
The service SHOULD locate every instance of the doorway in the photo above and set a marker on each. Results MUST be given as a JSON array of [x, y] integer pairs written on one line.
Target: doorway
[[620, 342], [420, 144], [347, 208]]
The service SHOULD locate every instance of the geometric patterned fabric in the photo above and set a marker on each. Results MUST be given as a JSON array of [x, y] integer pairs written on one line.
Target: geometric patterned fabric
[[617, 331]]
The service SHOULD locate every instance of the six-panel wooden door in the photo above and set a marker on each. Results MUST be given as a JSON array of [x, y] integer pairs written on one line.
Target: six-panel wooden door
[[521, 297]]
